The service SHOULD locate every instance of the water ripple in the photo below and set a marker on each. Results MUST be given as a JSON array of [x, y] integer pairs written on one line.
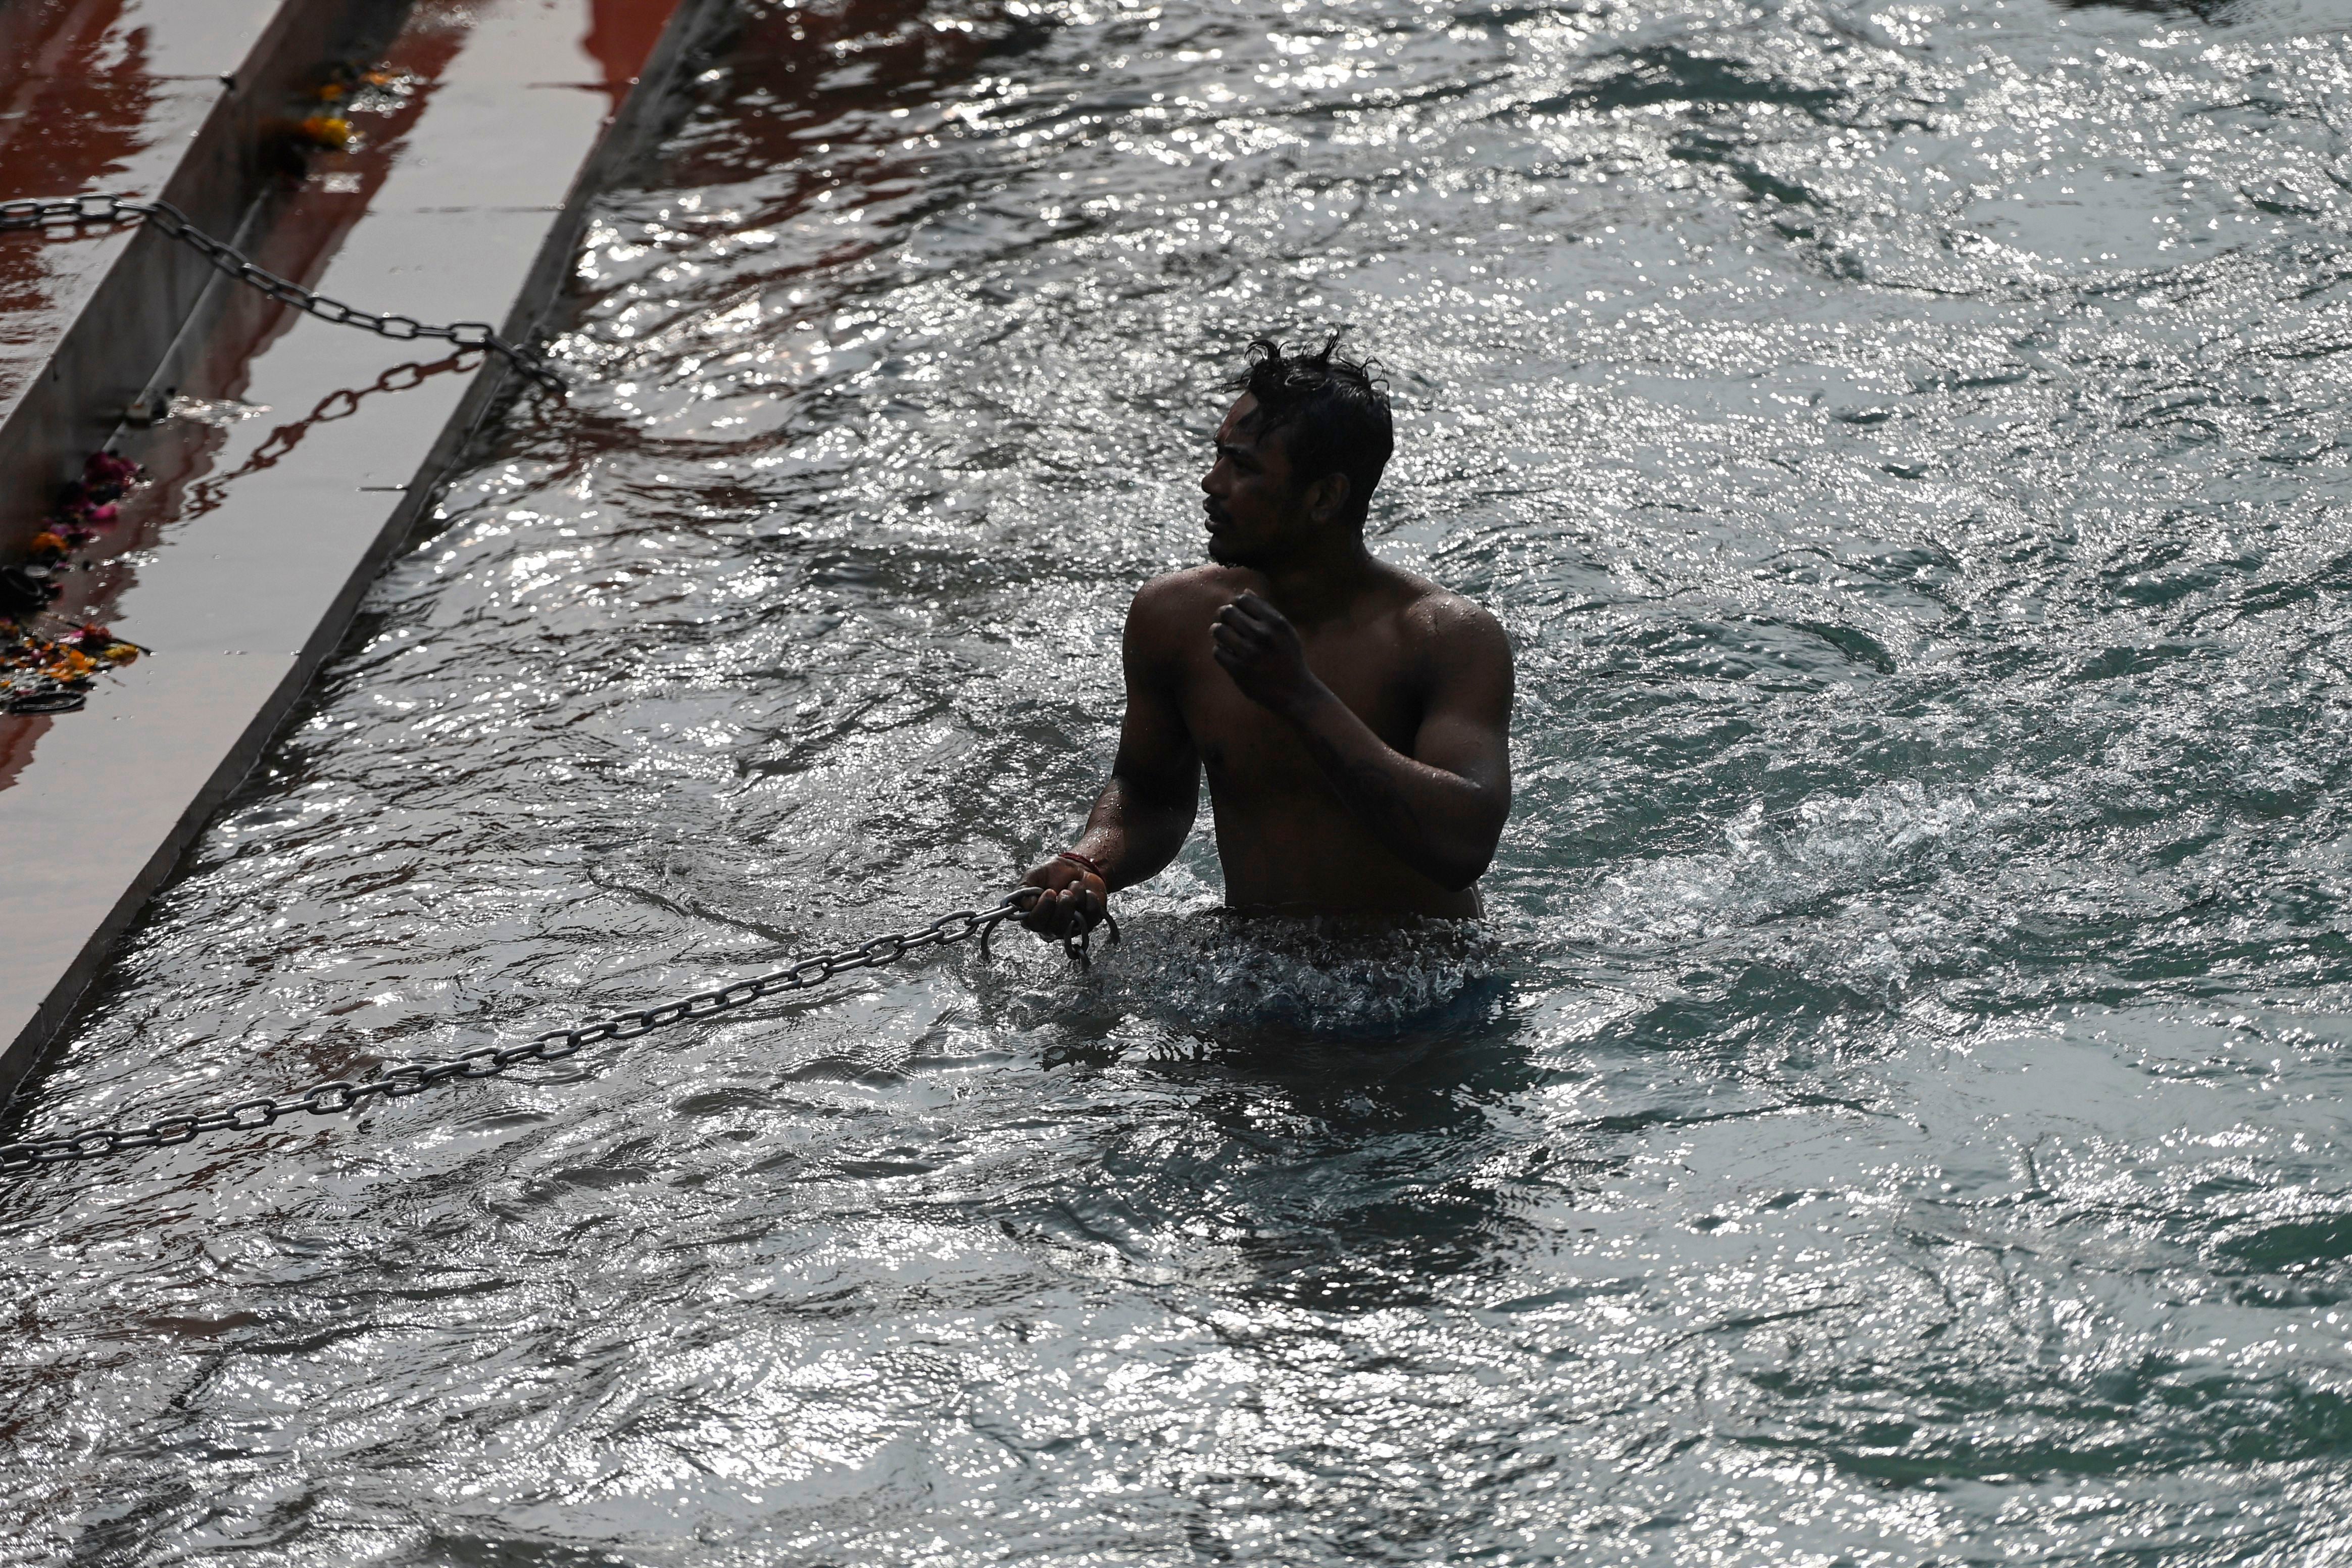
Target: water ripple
[[1893, 1114]]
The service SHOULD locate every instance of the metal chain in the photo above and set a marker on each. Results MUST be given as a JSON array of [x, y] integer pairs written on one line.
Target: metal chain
[[174, 223], [400, 1081]]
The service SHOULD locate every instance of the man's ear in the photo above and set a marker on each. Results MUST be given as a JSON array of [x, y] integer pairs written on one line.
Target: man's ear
[[1327, 496]]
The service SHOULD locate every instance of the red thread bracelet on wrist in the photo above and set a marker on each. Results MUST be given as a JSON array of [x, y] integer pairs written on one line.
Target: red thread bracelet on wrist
[[1085, 862]]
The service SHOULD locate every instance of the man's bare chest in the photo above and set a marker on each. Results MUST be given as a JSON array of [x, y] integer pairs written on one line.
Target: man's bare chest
[[1245, 747]]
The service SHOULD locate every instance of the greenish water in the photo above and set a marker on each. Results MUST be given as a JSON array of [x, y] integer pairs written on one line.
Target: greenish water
[[1894, 1115]]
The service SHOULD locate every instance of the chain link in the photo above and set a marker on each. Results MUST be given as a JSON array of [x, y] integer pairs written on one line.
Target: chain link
[[174, 223], [398, 1082]]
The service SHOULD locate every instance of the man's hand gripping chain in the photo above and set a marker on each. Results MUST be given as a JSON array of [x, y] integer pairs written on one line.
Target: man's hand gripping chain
[[1074, 943]]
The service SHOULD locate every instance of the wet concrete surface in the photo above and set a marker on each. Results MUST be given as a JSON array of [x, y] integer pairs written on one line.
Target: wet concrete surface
[[187, 100], [305, 454]]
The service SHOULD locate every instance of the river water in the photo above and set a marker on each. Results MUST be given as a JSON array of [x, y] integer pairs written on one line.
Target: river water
[[1894, 1114]]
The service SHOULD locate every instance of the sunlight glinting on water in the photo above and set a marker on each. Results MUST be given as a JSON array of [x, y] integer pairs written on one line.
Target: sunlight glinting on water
[[1895, 1113]]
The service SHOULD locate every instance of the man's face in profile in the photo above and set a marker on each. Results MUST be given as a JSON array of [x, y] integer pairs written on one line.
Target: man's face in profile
[[1254, 509]]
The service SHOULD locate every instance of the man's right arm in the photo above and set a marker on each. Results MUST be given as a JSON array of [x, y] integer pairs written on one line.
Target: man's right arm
[[1145, 811]]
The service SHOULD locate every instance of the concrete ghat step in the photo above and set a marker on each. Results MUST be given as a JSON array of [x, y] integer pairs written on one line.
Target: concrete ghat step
[[242, 565], [175, 99]]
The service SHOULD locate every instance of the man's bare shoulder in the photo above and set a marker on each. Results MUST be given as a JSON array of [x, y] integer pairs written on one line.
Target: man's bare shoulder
[[1436, 618], [1183, 603]]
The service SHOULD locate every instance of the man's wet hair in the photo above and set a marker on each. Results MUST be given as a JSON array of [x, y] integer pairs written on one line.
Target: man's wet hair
[[1335, 410]]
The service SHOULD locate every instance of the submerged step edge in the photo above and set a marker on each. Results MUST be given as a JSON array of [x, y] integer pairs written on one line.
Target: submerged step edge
[[244, 599]]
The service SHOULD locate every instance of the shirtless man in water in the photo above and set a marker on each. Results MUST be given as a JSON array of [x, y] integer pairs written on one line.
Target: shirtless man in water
[[1353, 718]]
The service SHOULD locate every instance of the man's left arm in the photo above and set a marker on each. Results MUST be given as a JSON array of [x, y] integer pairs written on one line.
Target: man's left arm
[[1439, 810]]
